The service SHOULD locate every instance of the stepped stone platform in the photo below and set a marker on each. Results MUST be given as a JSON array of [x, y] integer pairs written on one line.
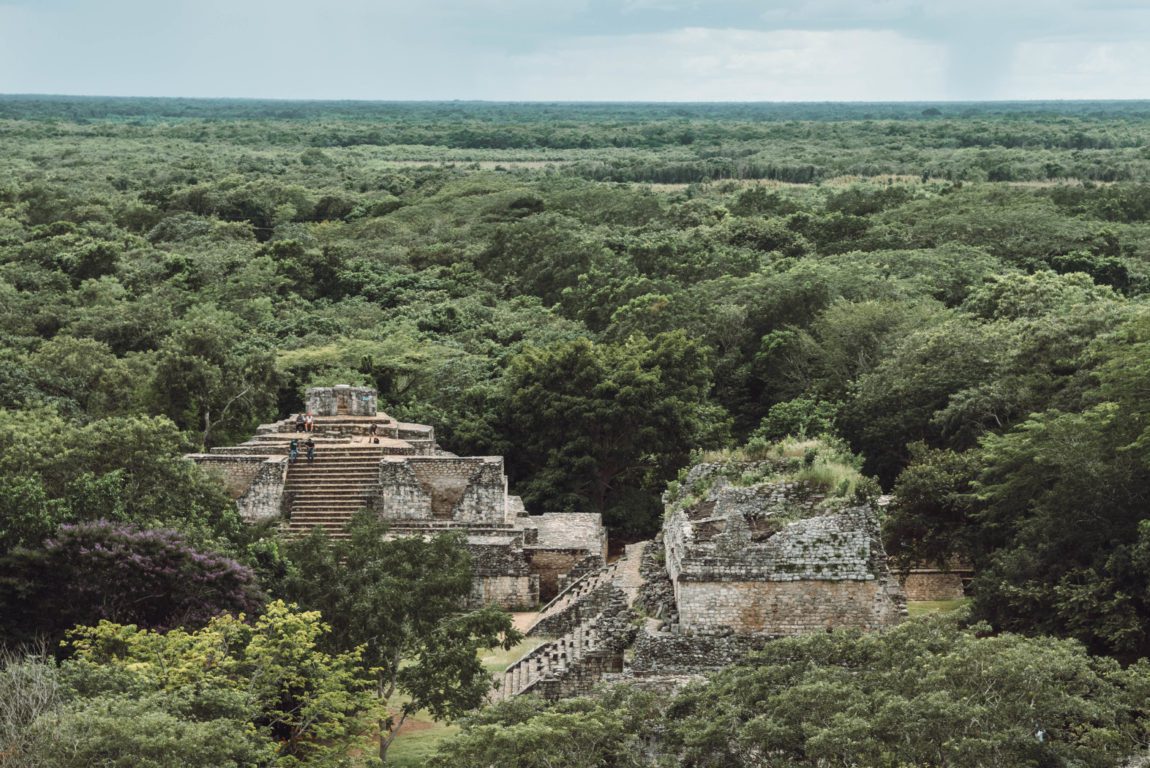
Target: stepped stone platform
[[590, 623], [365, 459]]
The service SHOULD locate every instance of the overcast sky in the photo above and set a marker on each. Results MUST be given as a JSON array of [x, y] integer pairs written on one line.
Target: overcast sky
[[599, 50]]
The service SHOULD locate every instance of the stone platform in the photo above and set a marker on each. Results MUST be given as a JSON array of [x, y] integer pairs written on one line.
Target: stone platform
[[401, 474]]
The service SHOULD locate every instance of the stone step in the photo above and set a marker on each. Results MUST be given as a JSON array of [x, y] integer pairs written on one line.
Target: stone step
[[314, 498], [322, 520], [342, 505], [324, 467], [323, 493], [333, 486]]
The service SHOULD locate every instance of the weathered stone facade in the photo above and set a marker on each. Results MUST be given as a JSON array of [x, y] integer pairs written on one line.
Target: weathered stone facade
[[341, 400], [367, 460], [256, 483], [749, 553], [463, 490], [927, 582], [775, 557]]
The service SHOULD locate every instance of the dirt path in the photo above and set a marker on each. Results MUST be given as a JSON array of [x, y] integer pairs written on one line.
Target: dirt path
[[523, 621], [627, 575]]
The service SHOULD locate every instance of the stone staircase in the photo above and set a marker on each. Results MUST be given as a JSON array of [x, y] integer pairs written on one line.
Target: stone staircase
[[583, 598], [329, 491], [593, 621], [574, 663]]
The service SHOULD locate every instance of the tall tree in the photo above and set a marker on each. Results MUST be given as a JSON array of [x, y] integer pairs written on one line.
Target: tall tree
[[603, 428], [212, 378], [402, 600]]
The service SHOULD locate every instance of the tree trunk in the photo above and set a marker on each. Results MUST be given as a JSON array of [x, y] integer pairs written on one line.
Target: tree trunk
[[387, 735]]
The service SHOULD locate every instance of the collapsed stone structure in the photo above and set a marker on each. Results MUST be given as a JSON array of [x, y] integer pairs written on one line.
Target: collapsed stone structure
[[367, 460], [774, 555], [750, 551]]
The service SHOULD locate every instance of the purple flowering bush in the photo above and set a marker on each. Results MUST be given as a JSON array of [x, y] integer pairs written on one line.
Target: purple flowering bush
[[129, 575]]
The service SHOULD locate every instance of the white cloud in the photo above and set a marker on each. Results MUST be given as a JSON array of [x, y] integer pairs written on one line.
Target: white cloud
[[1061, 69], [700, 64], [579, 49]]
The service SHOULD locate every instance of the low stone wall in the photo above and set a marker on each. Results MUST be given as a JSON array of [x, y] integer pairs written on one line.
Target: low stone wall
[[249, 449], [512, 593], [502, 573], [933, 585], [581, 677], [666, 653]]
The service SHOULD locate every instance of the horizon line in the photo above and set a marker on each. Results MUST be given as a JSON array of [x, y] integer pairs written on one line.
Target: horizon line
[[606, 102]]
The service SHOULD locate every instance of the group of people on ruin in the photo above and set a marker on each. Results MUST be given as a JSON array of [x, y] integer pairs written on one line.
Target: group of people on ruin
[[304, 423], [293, 450]]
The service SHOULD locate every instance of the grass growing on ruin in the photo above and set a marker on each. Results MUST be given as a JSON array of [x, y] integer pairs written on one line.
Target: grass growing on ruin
[[826, 464]]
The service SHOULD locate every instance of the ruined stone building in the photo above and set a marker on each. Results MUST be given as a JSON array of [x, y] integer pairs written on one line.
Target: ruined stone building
[[758, 552], [367, 460], [750, 551]]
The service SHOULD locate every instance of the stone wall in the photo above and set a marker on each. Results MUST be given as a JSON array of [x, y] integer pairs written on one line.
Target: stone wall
[[400, 495], [932, 585], [341, 400], [835, 545], [256, 483], [665, 653], [502, 573], [512, 593], [772, 557], [464, 490], [657, 594], [785, 607]]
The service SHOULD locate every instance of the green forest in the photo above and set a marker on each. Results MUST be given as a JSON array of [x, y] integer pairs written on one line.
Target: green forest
[[958, 294]]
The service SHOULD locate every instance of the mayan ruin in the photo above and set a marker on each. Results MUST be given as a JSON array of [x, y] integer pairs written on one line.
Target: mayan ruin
[[750, 550], [365, 459]]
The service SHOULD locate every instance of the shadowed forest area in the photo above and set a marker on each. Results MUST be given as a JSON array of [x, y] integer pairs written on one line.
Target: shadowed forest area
[[955, 293]]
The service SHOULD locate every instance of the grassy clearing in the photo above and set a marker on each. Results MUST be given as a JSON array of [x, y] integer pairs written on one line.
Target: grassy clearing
[[421, 735], [412, 748], [499, 660], [924, 607]]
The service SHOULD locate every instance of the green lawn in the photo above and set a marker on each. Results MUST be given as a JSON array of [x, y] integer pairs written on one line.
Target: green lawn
[[421, 735], [921, 608], [412, 748]]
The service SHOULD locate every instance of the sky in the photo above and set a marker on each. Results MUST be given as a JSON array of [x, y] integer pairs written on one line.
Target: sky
[[580, 50]]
